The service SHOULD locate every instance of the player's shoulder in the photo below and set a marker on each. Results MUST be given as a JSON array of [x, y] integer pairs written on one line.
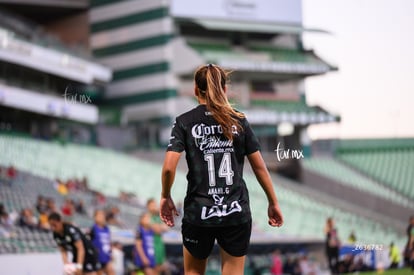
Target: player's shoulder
[[241, 117], [69, 228], [190, 115]]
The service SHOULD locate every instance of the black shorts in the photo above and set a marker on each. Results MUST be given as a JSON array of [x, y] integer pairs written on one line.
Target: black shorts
[[199, 240], [90, 263]]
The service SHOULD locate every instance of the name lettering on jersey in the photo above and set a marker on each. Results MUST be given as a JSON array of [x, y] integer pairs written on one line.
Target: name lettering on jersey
[[208, 137], [218, 191]]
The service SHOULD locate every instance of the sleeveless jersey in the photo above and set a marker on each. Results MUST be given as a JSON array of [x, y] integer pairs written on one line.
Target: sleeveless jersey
[[147, 238], [101, 239]]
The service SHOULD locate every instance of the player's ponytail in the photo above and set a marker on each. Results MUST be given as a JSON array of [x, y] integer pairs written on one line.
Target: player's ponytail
[[211, 81]]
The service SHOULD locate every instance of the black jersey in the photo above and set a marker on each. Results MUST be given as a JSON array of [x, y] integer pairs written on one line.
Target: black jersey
[[216, 192], [71, 235]]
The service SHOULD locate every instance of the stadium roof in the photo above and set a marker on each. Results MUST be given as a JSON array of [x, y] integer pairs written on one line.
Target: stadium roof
[[16, 50], [299, 115], [259, 27], [258, 58], [46, 104]]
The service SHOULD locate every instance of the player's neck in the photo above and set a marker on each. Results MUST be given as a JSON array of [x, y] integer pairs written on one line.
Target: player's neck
[[201, 101]]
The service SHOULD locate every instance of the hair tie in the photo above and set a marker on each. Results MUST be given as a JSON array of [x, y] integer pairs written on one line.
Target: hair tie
[[209, 65]]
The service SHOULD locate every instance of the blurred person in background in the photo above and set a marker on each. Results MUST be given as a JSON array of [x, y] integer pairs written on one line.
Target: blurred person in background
[[277, 264], [101, 240], [144, 256], [41, 204], [44, 221], [306, 267], [112, 216], [3, 213], [11, 174], [289, 265], [7, 221], [352, 238], [332, 245], [51, 205], [71, 239], [395, 257], [61, 187], [99, 199], [345, 265], [43, 212], [68, 209], [358, 264], [27, 219], [409, 248], [118, 258], [80, 207], [158, 227]]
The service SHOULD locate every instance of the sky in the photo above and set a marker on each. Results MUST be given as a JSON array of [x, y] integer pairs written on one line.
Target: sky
[[372, 44]]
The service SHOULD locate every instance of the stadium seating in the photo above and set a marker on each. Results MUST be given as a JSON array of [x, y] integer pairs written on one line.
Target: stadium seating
[[23, 194], [336, 170], [306, 217], [111, 172], [387, 161]]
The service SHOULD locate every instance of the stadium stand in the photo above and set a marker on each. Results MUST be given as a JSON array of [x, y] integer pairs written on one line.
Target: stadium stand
[[389, 161], [111, 172], [334, 169], [23, 193]]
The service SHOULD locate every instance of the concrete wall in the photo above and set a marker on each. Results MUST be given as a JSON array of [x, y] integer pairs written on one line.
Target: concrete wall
[[31, 264]]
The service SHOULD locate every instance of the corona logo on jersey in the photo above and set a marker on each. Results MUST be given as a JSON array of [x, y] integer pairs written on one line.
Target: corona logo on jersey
[[208, 137]]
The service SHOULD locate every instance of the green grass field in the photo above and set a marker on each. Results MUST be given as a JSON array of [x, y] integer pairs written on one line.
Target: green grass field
[[390, 272]]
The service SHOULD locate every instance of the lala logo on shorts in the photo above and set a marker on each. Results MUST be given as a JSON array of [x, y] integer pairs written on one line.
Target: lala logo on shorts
[[220, 209]]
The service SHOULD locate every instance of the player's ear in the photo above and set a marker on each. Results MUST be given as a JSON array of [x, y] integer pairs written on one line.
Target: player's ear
[[196, 91]]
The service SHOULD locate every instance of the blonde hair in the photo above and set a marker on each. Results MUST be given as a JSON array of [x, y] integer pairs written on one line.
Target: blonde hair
[[211, 81]]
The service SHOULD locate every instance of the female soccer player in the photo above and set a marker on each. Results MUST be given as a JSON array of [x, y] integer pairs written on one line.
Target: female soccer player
[[101, 239], [216, 138], [144, 253], [70, 239]]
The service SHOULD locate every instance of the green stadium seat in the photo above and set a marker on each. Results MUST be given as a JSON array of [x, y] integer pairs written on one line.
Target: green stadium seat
[[336, 170], [389, 161]]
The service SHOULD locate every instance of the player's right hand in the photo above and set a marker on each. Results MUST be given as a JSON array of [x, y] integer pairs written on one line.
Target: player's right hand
[[168, 211], [145, 262]]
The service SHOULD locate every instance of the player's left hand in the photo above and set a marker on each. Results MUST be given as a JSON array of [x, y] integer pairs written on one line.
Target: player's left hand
[[275, 215], [168, 211]]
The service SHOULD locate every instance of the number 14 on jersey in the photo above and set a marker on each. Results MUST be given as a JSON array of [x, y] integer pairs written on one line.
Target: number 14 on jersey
[[224, 171]]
